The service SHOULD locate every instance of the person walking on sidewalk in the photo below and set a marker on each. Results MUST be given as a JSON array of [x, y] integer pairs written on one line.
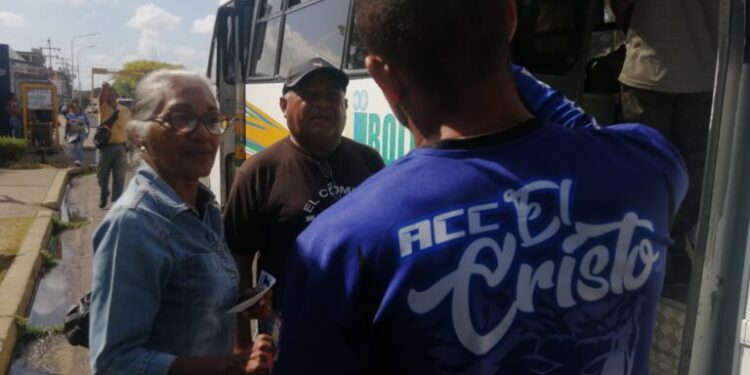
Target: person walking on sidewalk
[[14, 117], [76, 130], [112, 156]]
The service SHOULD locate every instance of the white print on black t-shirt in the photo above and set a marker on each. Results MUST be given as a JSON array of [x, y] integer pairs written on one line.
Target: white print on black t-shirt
[[331, 191], [578, 277]]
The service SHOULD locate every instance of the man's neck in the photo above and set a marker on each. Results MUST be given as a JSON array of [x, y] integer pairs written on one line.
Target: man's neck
[[490, 106], [317, 148]]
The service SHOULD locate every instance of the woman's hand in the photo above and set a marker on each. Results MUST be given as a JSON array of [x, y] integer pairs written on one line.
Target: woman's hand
[[260, 361]]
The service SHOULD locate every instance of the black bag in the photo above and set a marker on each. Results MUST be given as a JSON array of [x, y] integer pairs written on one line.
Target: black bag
[[76, 324], [101, 137]]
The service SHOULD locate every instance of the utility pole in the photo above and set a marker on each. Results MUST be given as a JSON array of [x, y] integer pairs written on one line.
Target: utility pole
[[49, 49]]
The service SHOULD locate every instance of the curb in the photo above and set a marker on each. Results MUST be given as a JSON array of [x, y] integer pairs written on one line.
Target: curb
[[18, 286], [56, 189], [17, 289]]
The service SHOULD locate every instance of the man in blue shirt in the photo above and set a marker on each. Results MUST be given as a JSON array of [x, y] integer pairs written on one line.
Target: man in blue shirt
[[502, 244]]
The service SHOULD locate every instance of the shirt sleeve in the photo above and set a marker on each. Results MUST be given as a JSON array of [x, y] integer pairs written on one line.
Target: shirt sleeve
[[549, 104], [663, 156], [131, 264], [328, 306]]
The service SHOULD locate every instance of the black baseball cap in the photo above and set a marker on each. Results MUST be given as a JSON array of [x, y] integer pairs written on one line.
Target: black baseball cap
[[315, 65]]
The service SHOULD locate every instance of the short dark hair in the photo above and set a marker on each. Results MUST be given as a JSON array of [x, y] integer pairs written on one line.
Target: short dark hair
[[443, 45]]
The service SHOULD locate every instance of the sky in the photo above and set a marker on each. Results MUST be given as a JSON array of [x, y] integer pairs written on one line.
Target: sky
[[173, 31]]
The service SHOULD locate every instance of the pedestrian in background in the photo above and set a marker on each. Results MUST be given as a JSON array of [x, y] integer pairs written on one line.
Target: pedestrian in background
[[76, 130], [113, 155], [667, 83], [14, 117], [163, 277]]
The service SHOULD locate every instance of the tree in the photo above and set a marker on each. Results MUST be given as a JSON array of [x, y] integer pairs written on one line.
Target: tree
[[131, 72]]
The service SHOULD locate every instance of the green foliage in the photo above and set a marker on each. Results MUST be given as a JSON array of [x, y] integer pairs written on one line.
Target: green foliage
[[133, 71], [59, 226], [48, 261], [28, 332], [11, 150]]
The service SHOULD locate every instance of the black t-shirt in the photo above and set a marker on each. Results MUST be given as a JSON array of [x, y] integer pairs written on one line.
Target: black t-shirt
[[279, 191]]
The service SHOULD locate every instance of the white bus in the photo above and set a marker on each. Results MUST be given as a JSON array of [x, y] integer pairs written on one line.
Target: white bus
[[701, 327]]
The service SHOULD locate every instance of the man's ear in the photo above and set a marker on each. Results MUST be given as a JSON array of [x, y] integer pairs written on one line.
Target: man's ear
[[385, 76], [512, 19], [282, 104]]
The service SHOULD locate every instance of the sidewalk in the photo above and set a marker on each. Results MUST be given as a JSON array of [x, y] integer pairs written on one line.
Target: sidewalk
[[27, 193]]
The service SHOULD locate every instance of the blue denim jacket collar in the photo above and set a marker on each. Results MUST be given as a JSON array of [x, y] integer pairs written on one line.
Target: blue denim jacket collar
[[169, 201]]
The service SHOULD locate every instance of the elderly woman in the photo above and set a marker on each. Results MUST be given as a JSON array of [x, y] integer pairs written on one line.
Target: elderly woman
[[163, 277]]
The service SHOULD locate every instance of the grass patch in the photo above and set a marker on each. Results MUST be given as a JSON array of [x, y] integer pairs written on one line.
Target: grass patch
[[11, 150], [31, 160], [28, 332], [49, 261], [59, 226], [12, 232], [30, 164]]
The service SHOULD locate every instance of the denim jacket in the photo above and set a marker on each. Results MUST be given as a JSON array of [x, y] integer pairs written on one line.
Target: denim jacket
[[163, 281]]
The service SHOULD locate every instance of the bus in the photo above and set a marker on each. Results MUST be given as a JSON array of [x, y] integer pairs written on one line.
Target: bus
[[703, 327]]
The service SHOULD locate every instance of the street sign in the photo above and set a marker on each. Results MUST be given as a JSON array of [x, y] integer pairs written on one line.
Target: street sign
[[39, 99], [99, 71]]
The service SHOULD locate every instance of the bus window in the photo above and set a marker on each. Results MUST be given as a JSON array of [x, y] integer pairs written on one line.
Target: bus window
[[265, 46], [549, 34], [355, 51], [294, 3], [226, 43], [269, 7], [315, 30]]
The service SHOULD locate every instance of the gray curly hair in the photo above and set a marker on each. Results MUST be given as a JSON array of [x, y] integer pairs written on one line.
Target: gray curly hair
[[149, 98]]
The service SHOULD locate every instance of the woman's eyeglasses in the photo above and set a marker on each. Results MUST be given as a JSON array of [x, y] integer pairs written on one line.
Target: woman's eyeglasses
[[186, 122]]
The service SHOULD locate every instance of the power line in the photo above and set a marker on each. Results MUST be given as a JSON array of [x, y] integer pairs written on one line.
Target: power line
[[49, 49]]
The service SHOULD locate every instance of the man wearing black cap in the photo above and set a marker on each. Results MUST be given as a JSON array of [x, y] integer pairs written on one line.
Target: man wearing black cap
[[279, 191]]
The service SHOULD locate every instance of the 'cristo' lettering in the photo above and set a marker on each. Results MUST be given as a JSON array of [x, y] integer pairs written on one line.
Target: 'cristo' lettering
[[584, 274]]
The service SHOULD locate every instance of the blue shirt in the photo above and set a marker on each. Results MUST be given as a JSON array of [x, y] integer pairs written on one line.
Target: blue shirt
[[540, 249], [77, 123], [548, 104], [163, 281]]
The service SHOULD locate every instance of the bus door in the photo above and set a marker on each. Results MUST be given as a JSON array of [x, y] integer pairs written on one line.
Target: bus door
[[227, 68], [717, 333]]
